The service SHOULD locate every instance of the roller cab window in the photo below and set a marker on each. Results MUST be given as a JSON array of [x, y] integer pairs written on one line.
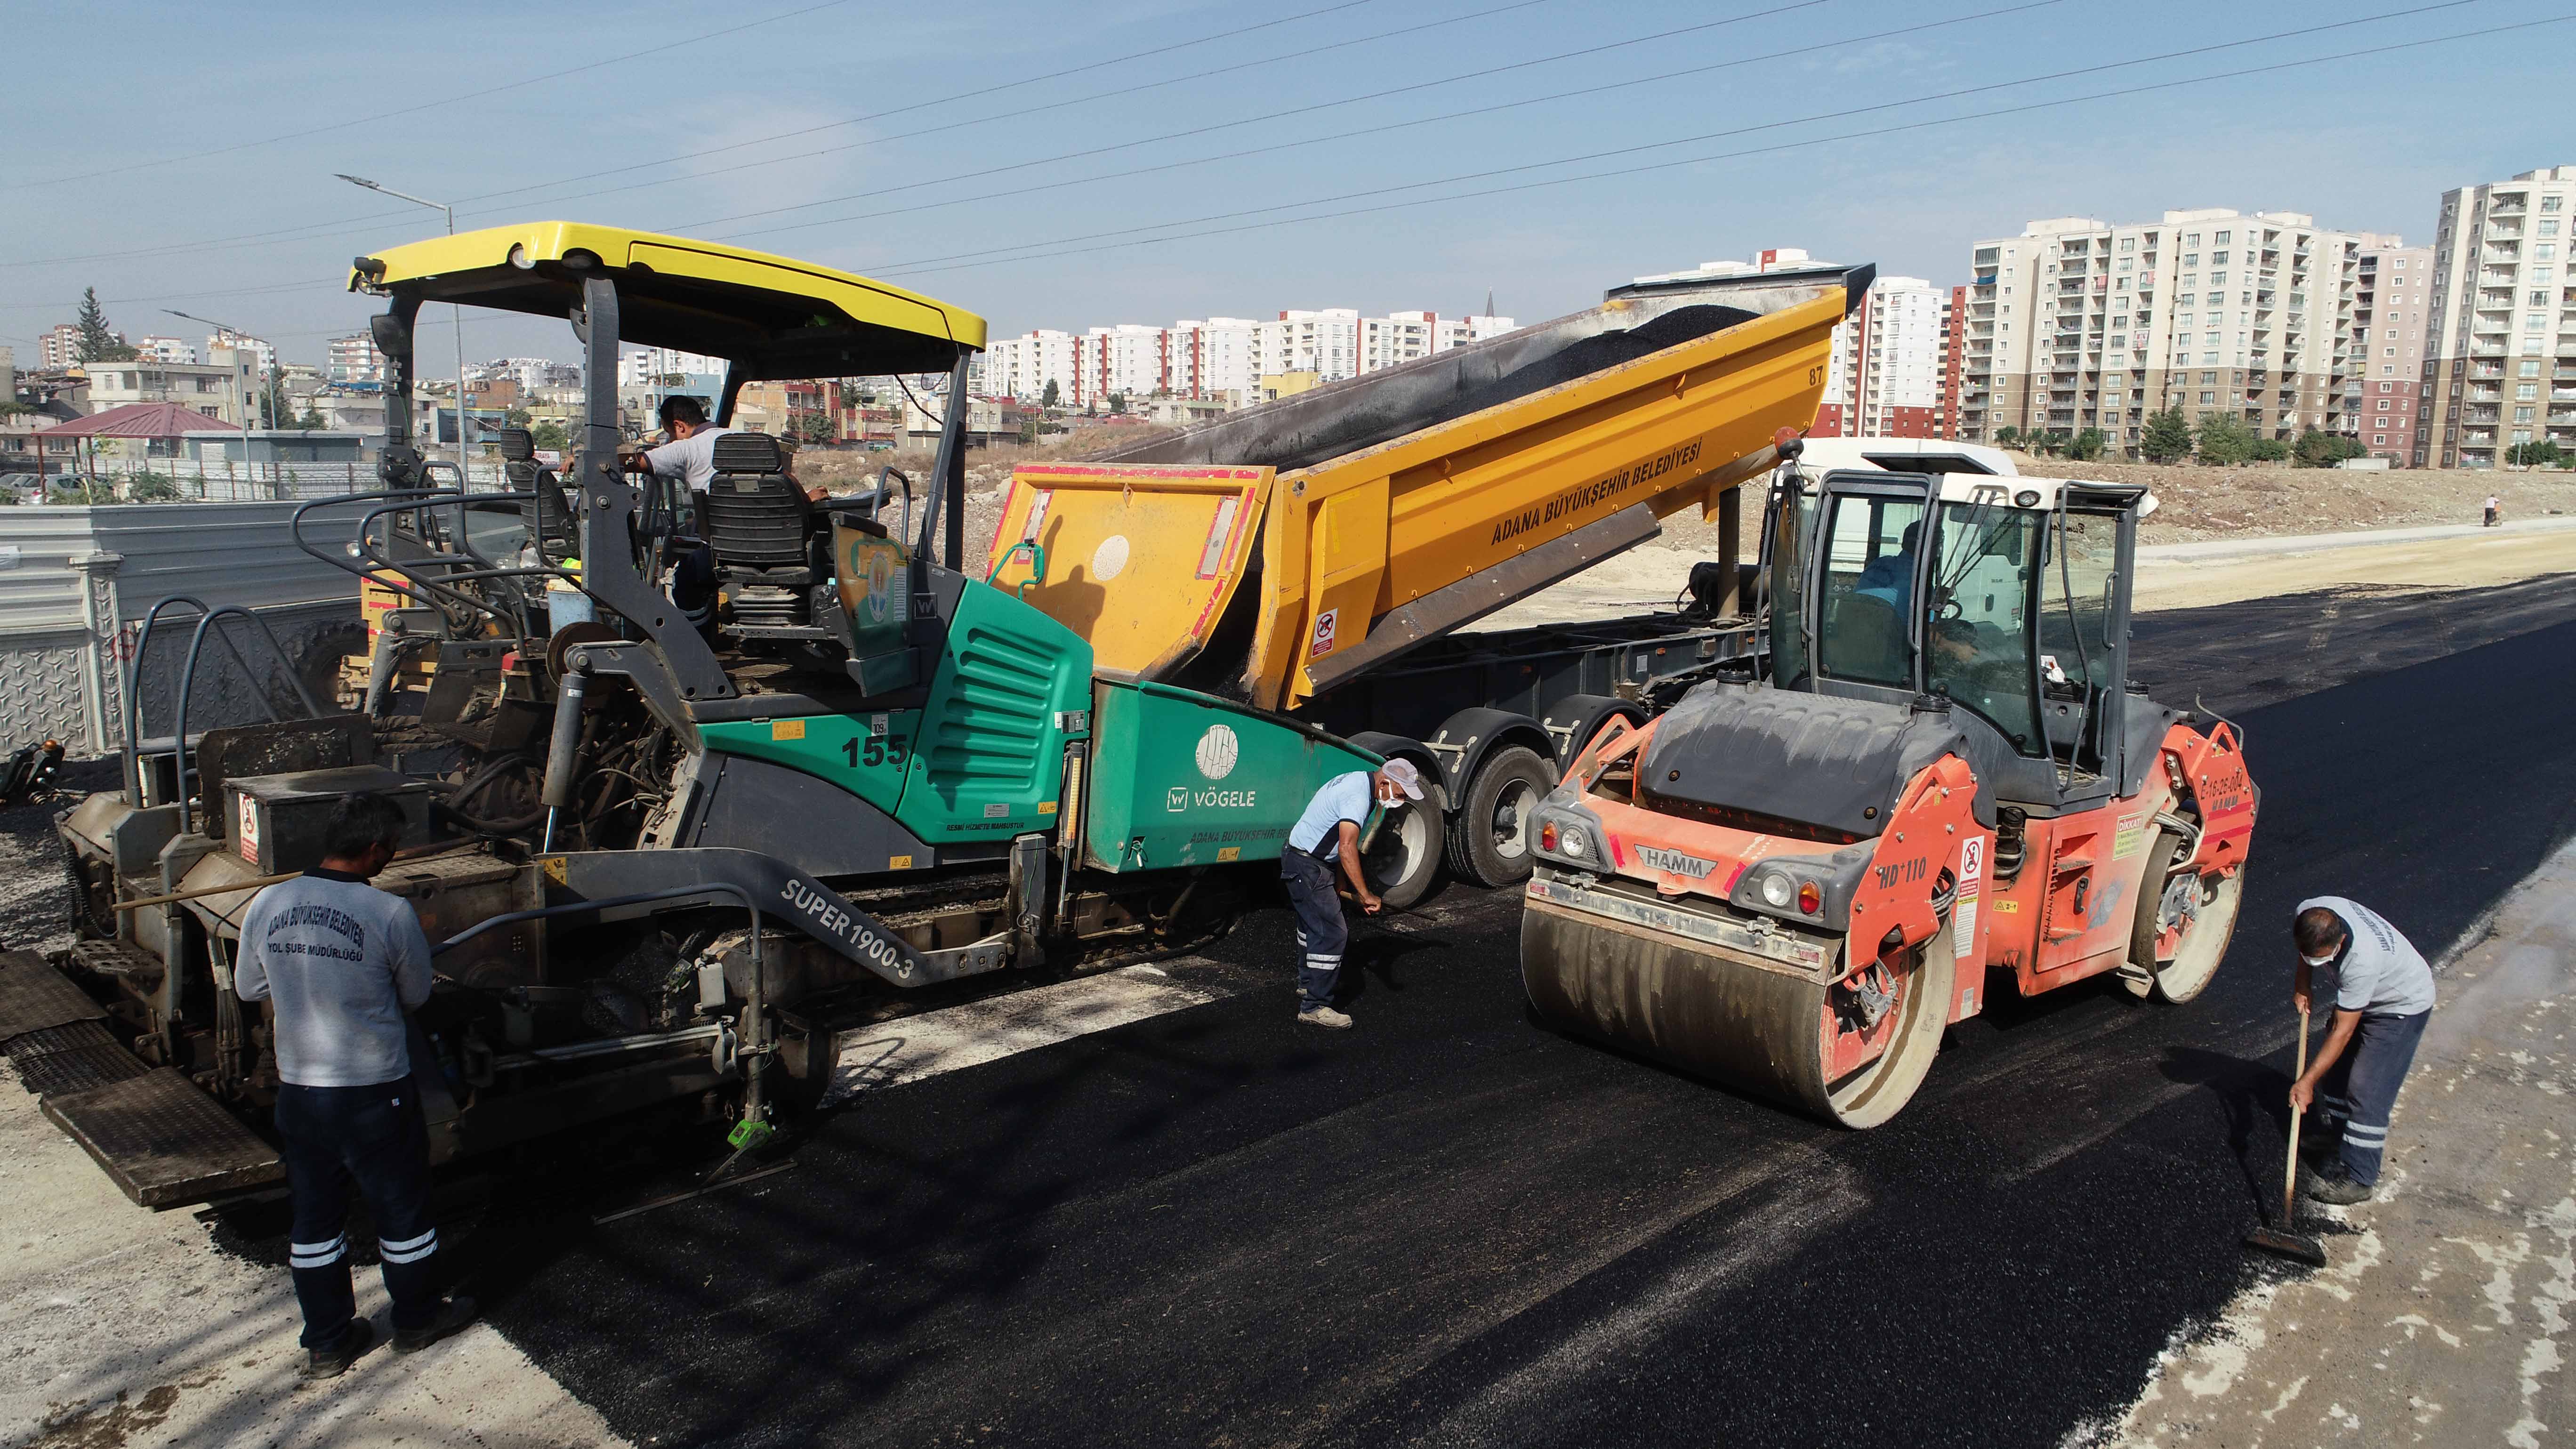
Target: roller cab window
[[1977, 646], [1866, 588]]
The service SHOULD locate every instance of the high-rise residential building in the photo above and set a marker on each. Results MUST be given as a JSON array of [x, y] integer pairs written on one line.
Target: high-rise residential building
[[1126, 359], [2078, 323], [59, 347], [229, 341], [2500, 351], [646, 367], [354, 358], [2389, 300], [1325, 342], [1954, 339], [166, 349], [1884, 380]]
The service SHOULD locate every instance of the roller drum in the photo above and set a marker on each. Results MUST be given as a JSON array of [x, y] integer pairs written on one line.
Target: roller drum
[[1718, 1017]]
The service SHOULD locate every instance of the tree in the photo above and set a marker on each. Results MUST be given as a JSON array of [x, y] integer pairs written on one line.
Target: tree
[[2088, 445], [2007, 436], [2166, 437], [549, 435], [273, 397], [810, 427], [2533, 455], [2223, 438], [2267, 450], [311, 421], [515, 417], [1118, 402], [1028, 427], [675, 379], [97, 343], [2323, 450], [1052, 397]]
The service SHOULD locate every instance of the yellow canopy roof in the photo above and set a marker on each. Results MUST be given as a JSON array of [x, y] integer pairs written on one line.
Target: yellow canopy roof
[[774, 317]]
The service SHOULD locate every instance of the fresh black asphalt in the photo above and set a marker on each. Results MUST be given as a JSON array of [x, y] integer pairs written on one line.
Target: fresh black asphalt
[[1450, 1226]]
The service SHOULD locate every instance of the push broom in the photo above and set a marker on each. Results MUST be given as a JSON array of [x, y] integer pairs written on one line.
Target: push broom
[[2277, 1238]]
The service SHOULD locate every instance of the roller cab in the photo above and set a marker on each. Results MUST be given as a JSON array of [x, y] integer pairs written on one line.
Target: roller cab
[[1939, 777]]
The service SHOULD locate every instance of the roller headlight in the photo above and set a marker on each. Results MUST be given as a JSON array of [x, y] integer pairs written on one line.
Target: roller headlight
[[1574, 840], [1776, 890]]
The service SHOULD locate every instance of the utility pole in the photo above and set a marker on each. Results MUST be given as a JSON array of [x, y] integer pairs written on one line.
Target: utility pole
[[459, 309]]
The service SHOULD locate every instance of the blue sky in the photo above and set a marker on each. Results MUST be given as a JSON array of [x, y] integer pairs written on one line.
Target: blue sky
[[839, 135]]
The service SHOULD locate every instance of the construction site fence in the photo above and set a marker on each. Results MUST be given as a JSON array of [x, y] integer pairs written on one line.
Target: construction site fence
[[181, 480]]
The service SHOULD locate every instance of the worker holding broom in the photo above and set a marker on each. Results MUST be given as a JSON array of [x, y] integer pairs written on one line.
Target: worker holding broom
[[2383, 993]]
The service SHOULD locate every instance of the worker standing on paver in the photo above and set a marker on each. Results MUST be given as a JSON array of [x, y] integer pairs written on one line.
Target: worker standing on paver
[[342, 961], [2383, 993], [1328, 830]]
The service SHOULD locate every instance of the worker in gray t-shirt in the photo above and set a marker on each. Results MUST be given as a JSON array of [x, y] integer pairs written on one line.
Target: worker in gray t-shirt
[[2383, 994], [341, 962]]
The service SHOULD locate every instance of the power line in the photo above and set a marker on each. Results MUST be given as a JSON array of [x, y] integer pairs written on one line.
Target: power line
[[959, 261], [433, 105], [1011, 85], [1257, 120], [1340, 135], [317, 231]]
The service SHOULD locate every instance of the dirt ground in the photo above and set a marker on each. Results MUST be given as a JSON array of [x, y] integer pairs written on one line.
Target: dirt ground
[[2205, 503], [988, 470]]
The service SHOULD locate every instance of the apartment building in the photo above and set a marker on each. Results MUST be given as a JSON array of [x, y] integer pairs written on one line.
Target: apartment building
[[1220, 358], [1217, 358], [215, 389], [166, 349], [2077, 323], [1954, 339], [220, 342], [2500, 351], [2389, 300], [1325, 342], [354, 358], [648, 366], [1884, 379], [59, 348]]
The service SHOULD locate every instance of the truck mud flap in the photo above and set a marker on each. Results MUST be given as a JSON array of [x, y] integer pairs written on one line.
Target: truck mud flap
[[783, 892]]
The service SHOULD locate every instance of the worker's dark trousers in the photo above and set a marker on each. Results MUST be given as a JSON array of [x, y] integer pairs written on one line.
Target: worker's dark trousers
[[2359, 1091], [376, 1137], [1321, 933], [693, 587]]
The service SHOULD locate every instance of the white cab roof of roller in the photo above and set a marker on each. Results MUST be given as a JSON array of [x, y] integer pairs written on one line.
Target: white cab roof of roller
[[2038, 494], [1905, 455]]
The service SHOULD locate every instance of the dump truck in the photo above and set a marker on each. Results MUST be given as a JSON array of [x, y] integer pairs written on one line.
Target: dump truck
[[1938, 781], [657, 860]]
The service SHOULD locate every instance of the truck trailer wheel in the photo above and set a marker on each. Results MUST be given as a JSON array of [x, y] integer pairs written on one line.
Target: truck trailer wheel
[[2183, 930], [1403, 859], [1489, 840]]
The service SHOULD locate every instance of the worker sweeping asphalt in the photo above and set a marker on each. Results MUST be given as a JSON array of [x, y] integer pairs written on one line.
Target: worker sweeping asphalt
[[2383, 992], [1329, 830]]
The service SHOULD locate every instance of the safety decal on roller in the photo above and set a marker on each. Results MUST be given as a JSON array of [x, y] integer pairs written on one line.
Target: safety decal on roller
[[2129, 836], [1972, 886]]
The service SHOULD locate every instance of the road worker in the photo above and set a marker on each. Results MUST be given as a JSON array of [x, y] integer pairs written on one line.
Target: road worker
[[1329, 830], [2383, 993], [342, 961]]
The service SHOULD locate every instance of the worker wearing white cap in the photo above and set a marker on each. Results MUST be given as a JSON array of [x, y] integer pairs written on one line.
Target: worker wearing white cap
[[1329, 830]]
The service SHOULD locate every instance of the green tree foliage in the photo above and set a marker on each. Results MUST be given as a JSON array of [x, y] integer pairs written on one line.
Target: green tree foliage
[[2317, 449], [311, 421], [1052, 397], [1118, 402], [2267, 450], [97, 343], [1029, 428], [2007, 436], [273, 398], [2088, 445], [2166, 437], [810, 427], [2223, 438], [549, 435], [2535, 455]]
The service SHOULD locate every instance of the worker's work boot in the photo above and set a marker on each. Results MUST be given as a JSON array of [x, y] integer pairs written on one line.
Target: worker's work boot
[[2337, 1187], [454, 1314], [330, 1363], [1324, 1016]]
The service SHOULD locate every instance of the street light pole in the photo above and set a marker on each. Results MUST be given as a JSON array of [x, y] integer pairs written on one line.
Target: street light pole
[[249, 407], [459, 309]]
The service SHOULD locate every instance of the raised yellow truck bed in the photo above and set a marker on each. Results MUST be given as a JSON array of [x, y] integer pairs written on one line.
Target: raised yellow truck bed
[[1287, 548]]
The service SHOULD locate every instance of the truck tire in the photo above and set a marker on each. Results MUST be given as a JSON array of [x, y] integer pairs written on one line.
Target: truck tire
[[1489, 839], [1403, 859]]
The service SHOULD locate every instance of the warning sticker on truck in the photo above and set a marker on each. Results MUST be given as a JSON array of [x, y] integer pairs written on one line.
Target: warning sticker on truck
[[1322, 643]]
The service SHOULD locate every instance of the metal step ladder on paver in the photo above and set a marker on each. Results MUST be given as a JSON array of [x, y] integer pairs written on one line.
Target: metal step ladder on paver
[[158, 1136]]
